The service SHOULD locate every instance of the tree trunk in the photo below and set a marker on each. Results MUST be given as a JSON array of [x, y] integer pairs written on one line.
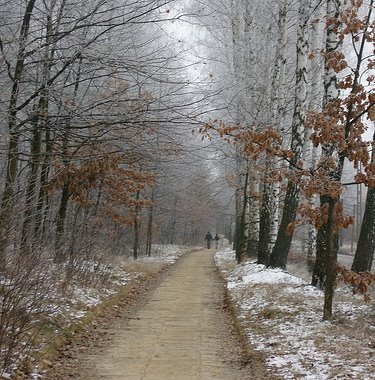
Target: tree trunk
[[7, 197], [331, 260], [330, 93], [280, 251], [31, 189], [173, 222], [12, 157], [324, 243], [45, 127], [364, 253], [264, 227], [150, 224], [241, 224], [136, 229], [315, 105], [279, 254], [252, 213], [269, 211], [60, 225]]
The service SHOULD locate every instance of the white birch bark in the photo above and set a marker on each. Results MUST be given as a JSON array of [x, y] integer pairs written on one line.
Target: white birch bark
[[315, 104], [330, 93], [269, 213], [279, 118], [281, 249]]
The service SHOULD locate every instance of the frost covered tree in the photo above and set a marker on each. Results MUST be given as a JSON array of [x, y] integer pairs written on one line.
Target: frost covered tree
[[76, 109]]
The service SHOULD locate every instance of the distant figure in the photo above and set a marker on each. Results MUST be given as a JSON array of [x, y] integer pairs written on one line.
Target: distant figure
[[208, 238], [216, 238]]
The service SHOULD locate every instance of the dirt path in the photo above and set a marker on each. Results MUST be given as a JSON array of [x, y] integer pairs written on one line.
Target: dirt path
[[181, 332]]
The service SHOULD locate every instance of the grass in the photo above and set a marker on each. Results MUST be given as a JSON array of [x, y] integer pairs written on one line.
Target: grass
[[270, 313]]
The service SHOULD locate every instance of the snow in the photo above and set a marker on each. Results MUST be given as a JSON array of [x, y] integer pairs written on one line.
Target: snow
[[281, 315], [258, 274]]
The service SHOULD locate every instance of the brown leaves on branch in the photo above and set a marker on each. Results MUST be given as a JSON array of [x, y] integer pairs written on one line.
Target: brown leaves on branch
[[116, 182], [361, 282], [318, 216], [252, 141], [82, 177], [335, 60], [120, 188], [321, 184], [351, 22], [368, 178], [340, 126]]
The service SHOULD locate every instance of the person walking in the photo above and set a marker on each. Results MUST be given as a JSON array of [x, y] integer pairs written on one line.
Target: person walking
[[216, 239], [208, 238]]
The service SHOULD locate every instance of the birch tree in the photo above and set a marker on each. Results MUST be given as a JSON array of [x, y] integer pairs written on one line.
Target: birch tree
[[270, 198], [315, 105], [280, 251]]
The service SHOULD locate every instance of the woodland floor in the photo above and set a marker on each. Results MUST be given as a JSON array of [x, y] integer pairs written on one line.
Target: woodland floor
[[178, 326]]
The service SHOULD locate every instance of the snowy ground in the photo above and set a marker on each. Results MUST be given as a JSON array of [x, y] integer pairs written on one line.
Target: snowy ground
[[281, 315]]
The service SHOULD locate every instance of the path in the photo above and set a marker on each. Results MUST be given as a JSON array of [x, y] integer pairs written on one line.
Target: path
[[180, 333]]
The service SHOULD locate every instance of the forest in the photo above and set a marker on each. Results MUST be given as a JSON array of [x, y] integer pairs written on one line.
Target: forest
[[126, 125]]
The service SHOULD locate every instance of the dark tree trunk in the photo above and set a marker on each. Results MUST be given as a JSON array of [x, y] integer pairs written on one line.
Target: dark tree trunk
[[60, 224], [241, 224], [264, 227], [331, 260], [149, 225], [279, 254], [323, 244], [136, 229], [364, 253]]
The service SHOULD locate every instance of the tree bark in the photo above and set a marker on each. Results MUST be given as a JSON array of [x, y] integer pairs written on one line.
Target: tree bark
[[331, 260], [269, 210], [136, 229], [264, 227], [150, 224], [252, 221], [60, 225], [241, 223], [364, 253], [280, 251], [31, 188], [12, 157]]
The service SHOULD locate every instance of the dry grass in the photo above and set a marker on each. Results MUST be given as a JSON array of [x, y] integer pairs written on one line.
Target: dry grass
[[146, 267]]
